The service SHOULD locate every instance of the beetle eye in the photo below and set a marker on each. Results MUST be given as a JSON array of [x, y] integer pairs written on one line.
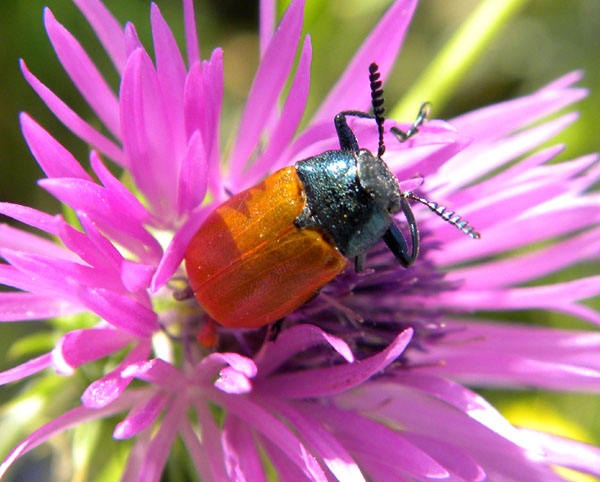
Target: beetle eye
[[376, 178]]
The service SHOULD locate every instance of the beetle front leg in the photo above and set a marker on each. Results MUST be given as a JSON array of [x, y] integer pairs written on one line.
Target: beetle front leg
[[345, 135], [395, 241], [421, 118]]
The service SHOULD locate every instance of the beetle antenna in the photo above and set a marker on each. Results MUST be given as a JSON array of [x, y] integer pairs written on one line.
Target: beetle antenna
[[447, 215], [377, 103]]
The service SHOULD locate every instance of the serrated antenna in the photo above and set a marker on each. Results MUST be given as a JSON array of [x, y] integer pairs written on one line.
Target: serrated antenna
[[449, 216], [377, 103]]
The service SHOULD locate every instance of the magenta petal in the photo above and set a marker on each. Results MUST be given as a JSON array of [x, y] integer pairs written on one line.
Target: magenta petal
[[272, 428], [197, 452], [137, 455], [171, 74], [17, 240], [26, 369], [268, 82], [287, 470], [568, 453], [382, 46], [101, 204], [338, 460], [191, 37], [211, 440], [267, 24], [193, 175], [468, 402], [160, 447], [232, 381], [121, 311], [83, 346], [176, 249], [148, 139], [453, 459], [128, 201], [136, 276], [288, 121], [299, 338], [242, 458], [367, 438], [327, 381], [132, 41], [141, 415], [73, 121], [209, 366], [27, 306], [107, 28], [103, 245], [70, 419], [84, 74], [158, 372], [52, 157], [105, 390]]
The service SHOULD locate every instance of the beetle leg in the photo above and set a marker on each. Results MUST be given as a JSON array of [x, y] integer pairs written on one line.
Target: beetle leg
[[359, 262], [345, 135], [421, 118], [395, 240]]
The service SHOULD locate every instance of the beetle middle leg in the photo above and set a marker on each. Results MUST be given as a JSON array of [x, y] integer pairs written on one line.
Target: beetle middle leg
[[421, 118]]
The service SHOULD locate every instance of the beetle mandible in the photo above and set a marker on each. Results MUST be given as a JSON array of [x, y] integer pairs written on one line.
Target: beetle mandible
[[270, 248]]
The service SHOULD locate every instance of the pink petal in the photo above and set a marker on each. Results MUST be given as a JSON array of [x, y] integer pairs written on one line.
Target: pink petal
[[176, 249], [266, 87], [296, 339], [108, 388], [211, 440], [495, 121], [266, 24], [197, 453], [367, 438], [136, 276], [72, 121], [103, 245], [84, 74], [121, 311], [463, 399], [242, 458], [131, 472], [15, 239], [101, 205], [191, 37], [569, 216], [203, 94], [327, 381], [568, 453], [565, 81], [232, 381], [338, 460], [132, 41], [148, 140], [83, 346], [529, 266], [26, 369], [466, 167], [288, 121], [107, 28], [453, 459], [210, 364], [141, 415], [193, 175], [52, 157], [27, 306], [161, 445], [129, 202], [272, 428], [158, 372], [171, 73], [287, 470], [70, 419], [381, 45]]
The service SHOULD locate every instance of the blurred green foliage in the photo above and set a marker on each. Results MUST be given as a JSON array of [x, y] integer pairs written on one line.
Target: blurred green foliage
[[544, 41]]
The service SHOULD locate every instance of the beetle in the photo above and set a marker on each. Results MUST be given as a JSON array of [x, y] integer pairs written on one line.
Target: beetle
[[270, 248]]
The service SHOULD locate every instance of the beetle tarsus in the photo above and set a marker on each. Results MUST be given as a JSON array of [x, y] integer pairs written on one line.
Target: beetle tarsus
[[414, 129]]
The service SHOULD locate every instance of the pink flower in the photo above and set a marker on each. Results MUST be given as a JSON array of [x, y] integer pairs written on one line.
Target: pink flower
[[364, 381]]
